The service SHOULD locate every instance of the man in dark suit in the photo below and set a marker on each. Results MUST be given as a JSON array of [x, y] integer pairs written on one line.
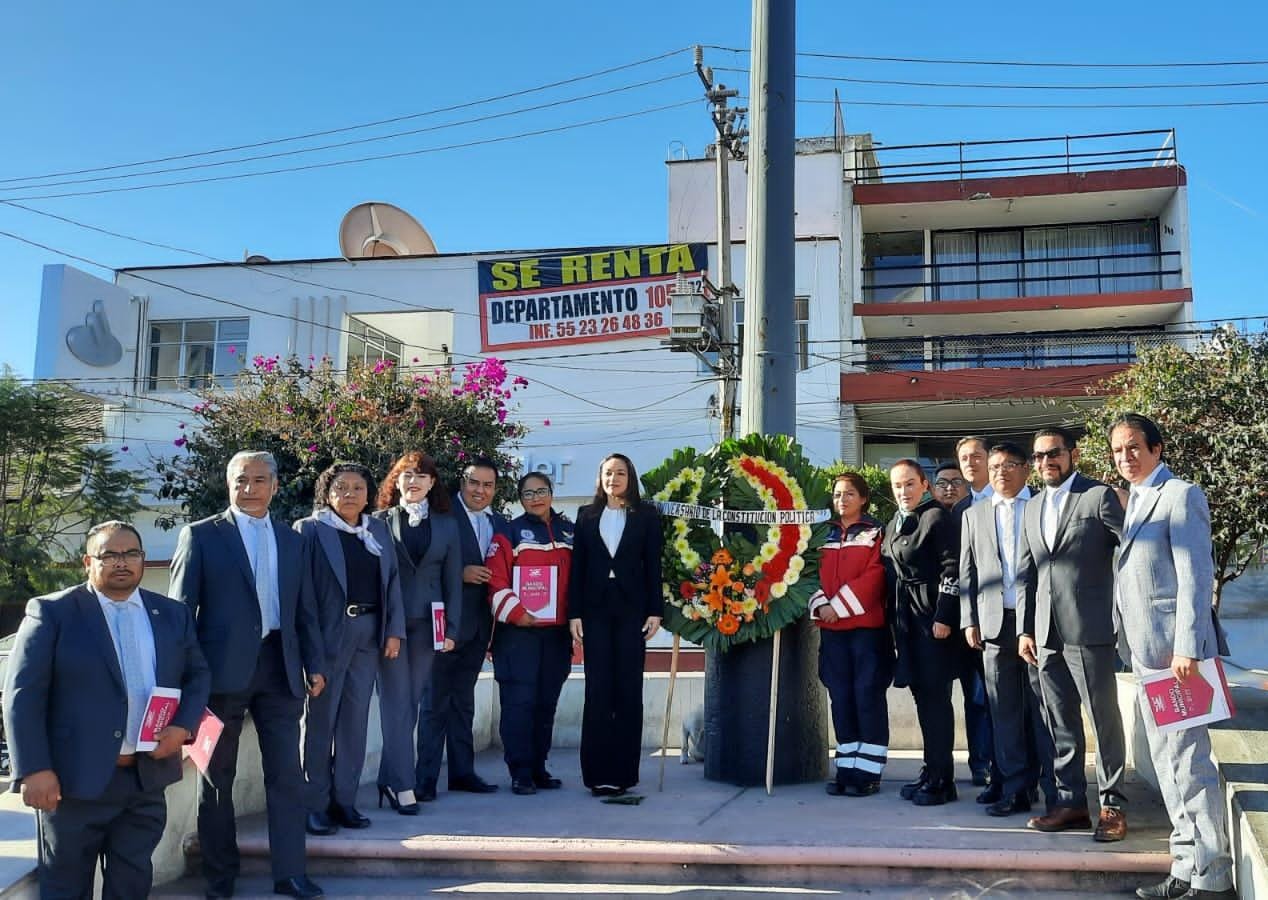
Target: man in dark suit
[[988, 603], [245, 579], [80, 677], [449, 701], [1069, 532]]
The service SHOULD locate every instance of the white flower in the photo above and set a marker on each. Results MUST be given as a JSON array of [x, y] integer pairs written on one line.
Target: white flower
[[778, 590]]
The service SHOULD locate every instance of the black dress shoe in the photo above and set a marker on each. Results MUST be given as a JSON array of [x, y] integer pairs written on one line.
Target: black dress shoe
[[835, 789], [317, 823], [1168, 889], [426, 793], [993, 794], [1008, 805], [472, 784], [348, 816], [935, 793], [908, 790], [523, 786], [981, 779], [298, 887], [863, 788], [544, 781]]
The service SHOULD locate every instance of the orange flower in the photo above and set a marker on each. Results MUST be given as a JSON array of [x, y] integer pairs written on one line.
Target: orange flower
[[728, 624], [714, 599], [735, 607], [748, 570], [722, 557], [720, 578], [737, 586]]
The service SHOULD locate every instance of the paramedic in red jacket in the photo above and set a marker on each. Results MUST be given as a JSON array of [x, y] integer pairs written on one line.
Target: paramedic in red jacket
[[856, 650], [532, 653]]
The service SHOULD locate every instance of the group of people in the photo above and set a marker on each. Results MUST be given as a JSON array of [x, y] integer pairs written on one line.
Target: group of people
[[398, 589], [976, 578]]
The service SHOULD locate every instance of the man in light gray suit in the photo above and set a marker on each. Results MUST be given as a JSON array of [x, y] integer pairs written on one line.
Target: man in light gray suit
[[1069, 532], [1165, 581], [989, 539]]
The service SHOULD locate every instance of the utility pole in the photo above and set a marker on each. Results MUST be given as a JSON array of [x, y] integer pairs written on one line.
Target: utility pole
[[728, 146]]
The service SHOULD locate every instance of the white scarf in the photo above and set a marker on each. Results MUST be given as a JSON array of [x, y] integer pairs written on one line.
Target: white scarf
[[417, 511], [327, 517]]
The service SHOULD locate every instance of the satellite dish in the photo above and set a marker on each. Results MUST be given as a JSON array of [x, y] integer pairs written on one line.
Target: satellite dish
[[381, 229]]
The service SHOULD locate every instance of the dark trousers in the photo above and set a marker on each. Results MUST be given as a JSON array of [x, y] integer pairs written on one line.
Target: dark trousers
[[612, 721], [930, 664], [335, 729], [530, 665], [1074, 678], [276, 713], [120, 828], [978, 734], [448, 711], [1023, 744], [857, 666], [402, 684]]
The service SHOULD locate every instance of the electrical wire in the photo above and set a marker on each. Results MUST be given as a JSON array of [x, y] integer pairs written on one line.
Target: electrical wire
[[1013, 87], [344, 129], [924, 60]]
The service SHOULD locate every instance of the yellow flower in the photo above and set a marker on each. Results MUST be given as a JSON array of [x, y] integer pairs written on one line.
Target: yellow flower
[[796, 564], [681, 546], [778, 590], [768, 552]]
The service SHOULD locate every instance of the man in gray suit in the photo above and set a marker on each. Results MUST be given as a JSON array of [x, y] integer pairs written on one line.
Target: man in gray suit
[[1165, 582], [83, 666], [1069, 532], [245, 579], [989, 540]]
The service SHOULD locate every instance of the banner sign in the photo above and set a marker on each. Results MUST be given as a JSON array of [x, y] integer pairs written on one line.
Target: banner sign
[[744, 516], [583, 296]]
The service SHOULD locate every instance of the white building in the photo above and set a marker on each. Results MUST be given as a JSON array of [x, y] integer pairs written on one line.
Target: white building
[[933, 298]]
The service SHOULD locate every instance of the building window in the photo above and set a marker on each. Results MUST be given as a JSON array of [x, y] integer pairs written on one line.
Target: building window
[[368, 345], [894, 267], [801, 331], [192, 354], [1053, 260]]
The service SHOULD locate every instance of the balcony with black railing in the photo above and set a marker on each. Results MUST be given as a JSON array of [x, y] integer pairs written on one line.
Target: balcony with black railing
[[1101, 347]]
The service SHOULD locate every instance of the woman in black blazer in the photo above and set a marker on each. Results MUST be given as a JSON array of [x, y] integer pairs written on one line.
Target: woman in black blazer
[[415, 507], [920, 549], [615, 605]]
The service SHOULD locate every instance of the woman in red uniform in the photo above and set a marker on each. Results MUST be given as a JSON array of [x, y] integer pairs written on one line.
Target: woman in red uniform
[[532, 649], [856, 650]]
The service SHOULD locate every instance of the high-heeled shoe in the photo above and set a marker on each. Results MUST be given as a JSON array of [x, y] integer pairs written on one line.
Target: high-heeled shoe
[[404, 803]]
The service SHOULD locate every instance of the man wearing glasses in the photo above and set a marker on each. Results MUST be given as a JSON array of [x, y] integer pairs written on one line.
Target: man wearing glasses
[[1066, 616], [449, 702], [84, 664], [949, 488]]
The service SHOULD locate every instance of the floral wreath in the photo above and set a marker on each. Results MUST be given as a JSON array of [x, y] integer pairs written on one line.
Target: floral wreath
[[755, 579]]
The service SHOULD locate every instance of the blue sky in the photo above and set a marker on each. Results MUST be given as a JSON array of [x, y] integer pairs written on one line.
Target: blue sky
[[88, 84]]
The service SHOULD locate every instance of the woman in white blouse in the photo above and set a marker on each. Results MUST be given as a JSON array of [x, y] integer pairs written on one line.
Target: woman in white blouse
[[614, 607]]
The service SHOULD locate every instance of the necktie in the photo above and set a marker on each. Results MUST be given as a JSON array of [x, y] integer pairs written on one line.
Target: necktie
[[1051, 512], [264, 574], [484, 532], [130, 662]]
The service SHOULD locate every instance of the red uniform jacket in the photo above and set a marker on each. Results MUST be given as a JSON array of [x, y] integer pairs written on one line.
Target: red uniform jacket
[[851, 577], [529, 541]]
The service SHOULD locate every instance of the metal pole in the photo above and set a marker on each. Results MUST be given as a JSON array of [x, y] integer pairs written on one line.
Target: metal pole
[[769, 368], [727, 355]]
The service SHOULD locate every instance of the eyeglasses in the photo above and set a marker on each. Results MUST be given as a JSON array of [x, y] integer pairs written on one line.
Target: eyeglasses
[[1040, 455], [535, 493], [1000, 468], [946, 484], [111, 558]]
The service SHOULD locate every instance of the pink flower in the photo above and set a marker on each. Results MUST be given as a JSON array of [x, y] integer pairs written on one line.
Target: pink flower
[[501, 415], [180, 441], [421, 423], [546, 422], [231, 349], [288, 409], [330, 420], [312, 448], [123, 449], [181, 426]]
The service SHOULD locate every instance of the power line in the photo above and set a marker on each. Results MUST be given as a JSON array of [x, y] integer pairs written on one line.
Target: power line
[[363, 159], [921, 60], [1197, 104], [1014, 87], [388, 121], [357, 141]]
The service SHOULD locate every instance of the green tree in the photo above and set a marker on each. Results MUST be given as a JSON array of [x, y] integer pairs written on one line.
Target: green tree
[[56, 485], [1211, 403], [309, 415], [882, 507]]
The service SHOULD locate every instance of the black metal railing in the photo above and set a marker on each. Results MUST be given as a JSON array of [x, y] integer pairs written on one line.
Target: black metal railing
[[1010, 351], [934, 284], [877, 163]]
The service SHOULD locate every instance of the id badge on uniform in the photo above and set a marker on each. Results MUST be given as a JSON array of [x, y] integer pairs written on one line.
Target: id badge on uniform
[[538, 590]]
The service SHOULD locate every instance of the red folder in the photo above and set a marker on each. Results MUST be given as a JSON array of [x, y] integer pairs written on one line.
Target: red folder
[[1199, 700], [205, 740], [438, 625], [160, 709]]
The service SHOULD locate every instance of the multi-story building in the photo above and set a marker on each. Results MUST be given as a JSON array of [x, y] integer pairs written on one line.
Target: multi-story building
[[940, 290]]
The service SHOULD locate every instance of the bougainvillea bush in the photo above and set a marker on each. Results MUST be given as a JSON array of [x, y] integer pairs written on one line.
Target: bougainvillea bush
[[309, 415]]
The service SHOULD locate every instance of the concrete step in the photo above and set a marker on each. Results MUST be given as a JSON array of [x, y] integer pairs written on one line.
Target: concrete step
[[701, 833]]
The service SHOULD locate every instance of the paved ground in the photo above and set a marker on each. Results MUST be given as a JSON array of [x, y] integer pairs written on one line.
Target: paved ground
[[701, 821]]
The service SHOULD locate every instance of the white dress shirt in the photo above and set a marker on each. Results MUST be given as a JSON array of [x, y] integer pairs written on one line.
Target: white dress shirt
[[1007, 542], [269, 592], [143, 657], [611, 527], [975, 496], [1054, 502], [481, 524], [1137, 494]]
